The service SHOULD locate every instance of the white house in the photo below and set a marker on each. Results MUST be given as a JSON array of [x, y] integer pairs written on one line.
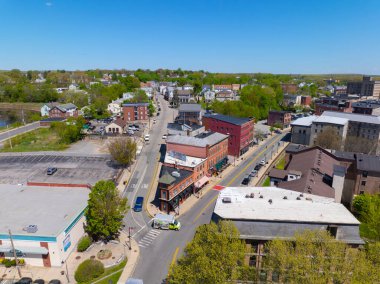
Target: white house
[[47, 107], [73, 87], [117, 126], [209, 96], [115, 107]]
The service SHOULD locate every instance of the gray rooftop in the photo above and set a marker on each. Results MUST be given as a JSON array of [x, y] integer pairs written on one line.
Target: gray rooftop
[[368, 163], [52, 209], [228, 118], [353, 117], [201, 140], [331, 120], [304, 121], [189, 108], [367, 104]]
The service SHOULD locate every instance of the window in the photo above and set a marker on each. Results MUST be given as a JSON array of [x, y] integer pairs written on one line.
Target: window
[[362, 192], [364, 182]]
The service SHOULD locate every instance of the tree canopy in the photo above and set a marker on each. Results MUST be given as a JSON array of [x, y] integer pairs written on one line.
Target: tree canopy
[[123, 150], [211, 257], [105, 211]]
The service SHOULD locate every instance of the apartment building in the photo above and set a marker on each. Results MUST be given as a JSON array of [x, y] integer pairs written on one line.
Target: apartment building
[[366, 88], [333, 104], [135, 111], [281, 118]]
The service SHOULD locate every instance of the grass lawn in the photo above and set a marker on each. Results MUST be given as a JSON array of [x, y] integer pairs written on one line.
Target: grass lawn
[[281, 164], [266, 182], [114, 277], [42, 139]]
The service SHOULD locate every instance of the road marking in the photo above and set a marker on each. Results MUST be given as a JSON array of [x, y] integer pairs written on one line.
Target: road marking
[[134, 197], [149, 237], [233, 179], [151, 184], [140, 245], [174, 256]]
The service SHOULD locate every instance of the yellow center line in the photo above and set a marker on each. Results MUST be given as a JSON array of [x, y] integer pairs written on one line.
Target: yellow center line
[[173, 259], [232, 180]]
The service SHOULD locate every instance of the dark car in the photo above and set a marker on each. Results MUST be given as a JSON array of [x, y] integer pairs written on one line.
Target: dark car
[[253, 173], [25, 280], [55, 281], [138, 204], [158, 113], [39, 281], [258, 167], [246, 180], [51, 171]]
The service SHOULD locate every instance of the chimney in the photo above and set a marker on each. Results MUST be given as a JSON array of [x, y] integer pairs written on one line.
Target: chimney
[[339, 174]]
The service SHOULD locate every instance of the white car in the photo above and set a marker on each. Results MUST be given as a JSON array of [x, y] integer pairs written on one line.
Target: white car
[[164, 136], [262, 162], [146, 137]]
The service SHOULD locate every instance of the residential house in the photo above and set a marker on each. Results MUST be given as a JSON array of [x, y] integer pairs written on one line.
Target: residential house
[[340, 90], [114, 107], [182, 97], [189, 113], [289, 88], [117, 126], [209, 96], [291, 100], [239, 131], [47, 107], [306, 101], [281, 118], [135, 111], [262, 214], [73, 87], [64, 111], [218, 88], [225, 95]]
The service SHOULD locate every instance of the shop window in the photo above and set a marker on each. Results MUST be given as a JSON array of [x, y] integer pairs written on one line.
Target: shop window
[[364, 182]]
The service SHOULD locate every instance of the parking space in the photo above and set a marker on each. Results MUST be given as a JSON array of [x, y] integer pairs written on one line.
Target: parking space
[[71, 169]]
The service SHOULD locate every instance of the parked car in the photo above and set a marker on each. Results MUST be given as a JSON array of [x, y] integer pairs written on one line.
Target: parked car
[[25, 280], [164, 136], [154, 121], [146, 137], [51, 171], [258, 167], [253, 173], [262, 162], [138, 204], [246, 180], [130, 132], [132, 127], [39, 281], [278, 131], [55, 281], [158, 113]]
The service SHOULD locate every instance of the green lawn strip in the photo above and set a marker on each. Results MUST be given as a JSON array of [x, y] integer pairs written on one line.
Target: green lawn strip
[[112, 278], [42, 139], [281, 164], [266, 182], [108, 271]]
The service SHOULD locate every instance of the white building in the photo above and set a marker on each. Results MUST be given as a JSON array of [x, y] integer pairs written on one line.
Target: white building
[[115, 107], [47, 107], [46, 222]]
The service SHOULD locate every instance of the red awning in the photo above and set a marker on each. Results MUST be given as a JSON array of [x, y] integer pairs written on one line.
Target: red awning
[[201, 182]]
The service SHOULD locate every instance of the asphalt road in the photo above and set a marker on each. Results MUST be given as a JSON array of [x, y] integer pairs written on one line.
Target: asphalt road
[[10, 133], [158, 248]]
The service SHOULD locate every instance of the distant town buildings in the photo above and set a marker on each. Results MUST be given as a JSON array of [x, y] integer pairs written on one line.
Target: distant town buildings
[[64, 111], [333, 104], [366, 88], [370, 107], [280, 118], [289, 88]]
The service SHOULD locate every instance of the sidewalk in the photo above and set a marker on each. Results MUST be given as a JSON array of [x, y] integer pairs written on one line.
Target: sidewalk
[[133, 257], [190, 202]]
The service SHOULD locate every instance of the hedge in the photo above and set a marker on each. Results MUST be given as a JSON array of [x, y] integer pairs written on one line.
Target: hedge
[[88, 270], [84, 243]]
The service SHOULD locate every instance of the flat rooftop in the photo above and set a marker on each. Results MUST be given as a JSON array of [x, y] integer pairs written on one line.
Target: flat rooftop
[[331, 120], [228, 118], [182, 160], [364, 118], [201, 140], [273, 207], [304, 121], [52, 209]]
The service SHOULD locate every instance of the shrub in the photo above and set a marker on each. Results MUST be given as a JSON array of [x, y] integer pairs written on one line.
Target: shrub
[[89, 270], [84, 243]]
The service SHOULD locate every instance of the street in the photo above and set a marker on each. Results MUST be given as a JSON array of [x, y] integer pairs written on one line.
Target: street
[[19, 130], [159, 248]]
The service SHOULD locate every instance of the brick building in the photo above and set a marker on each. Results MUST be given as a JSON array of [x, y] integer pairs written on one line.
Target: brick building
[[240, 131], [366, 88], [135, 111], [64, 111], [371, 107], [282, 118], [306, 100], [333, 104], [289, 88], [207, 145]]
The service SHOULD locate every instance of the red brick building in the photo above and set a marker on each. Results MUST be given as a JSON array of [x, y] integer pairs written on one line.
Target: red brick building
[[64, 111], [282, 118], [240, 131], [333, 104], [135, 111], [305, 100], [289, 88]]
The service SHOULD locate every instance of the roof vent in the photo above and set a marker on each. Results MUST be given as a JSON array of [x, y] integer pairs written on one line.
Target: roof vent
[[301, 195], [309, 199], [270, 201], [252, 195], [30, 229], [176, 174], [285, 197], [226, 200], [261, 196], [247, 196], [298, 198]]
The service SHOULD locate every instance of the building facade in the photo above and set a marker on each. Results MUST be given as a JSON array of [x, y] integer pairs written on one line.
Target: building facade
[[366, 88], [239, 130], [281, 118], [370, 107], [64, 111], [190, 114], [135, 111], [332, 104]]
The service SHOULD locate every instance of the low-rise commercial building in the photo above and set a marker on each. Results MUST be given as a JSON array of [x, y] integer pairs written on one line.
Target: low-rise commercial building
[[190, 113], [184, 129], [64, 111], [280, 118], [366, 88], [332, 104], [370, 107], [239, 130], [45, 222], [263, 214]]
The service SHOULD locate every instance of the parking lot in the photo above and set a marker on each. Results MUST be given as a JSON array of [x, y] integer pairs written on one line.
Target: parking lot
[[71, 169]]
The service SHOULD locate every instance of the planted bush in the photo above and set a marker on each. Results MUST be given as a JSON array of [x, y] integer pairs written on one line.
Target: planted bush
[[88, 270], [84, 243]]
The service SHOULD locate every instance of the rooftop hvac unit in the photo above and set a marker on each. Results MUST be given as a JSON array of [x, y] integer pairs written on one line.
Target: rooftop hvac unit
[[226, 200], [31, 228], [176, 174]]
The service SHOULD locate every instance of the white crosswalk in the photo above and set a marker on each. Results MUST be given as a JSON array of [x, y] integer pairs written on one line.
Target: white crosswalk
[[148, 238]]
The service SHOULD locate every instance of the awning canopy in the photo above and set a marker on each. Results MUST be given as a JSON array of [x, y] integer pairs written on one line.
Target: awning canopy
[[202, 181], [22, 249]]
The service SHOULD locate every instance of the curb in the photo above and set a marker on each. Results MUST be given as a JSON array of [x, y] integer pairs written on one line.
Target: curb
[[151, 187]]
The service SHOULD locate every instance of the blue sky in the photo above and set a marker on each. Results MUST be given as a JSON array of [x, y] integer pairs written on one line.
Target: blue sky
[[277, 36]]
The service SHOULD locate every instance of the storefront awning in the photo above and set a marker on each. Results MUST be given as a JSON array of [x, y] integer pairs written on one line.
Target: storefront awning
[[201, 182], [22, 249]]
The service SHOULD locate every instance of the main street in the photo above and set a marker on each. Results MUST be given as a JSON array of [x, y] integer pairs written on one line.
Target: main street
[[158, 248]]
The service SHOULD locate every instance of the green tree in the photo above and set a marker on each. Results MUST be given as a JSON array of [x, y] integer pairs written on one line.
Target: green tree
[[316, 257], [105, 211], [212, 257], [123, 150], [368, 209], [151, 108]]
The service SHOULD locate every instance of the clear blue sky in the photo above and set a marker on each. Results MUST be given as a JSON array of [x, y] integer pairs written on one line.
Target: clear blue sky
[[277, 36]]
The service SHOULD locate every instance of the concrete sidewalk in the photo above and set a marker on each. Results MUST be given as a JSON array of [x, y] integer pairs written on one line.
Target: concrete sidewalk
[[190, 202]]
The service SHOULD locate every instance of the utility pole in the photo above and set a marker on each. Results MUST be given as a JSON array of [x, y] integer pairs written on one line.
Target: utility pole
[[129, 237], [14, 254]]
